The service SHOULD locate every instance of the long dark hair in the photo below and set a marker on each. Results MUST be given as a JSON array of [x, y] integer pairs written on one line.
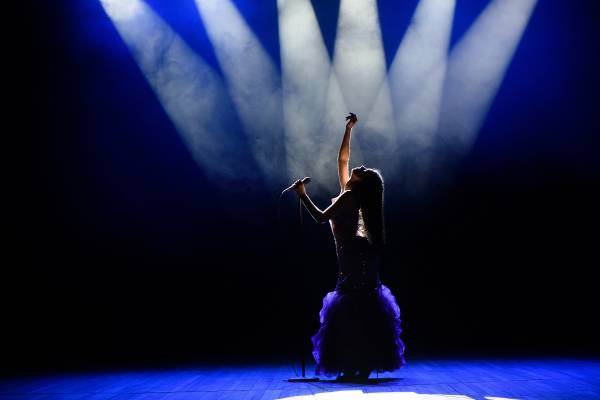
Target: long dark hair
[[370, 195]]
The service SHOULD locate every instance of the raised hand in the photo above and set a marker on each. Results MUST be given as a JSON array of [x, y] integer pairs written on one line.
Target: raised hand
[[352, 120]]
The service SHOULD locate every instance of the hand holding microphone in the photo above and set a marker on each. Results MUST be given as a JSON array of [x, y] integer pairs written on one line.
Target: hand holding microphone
[[298, 186]]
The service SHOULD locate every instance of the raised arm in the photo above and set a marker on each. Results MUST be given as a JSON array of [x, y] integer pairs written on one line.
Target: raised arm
[[343, 201], [344, 154]]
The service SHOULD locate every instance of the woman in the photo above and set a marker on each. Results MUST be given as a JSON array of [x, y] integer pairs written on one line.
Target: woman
[[360, 319]]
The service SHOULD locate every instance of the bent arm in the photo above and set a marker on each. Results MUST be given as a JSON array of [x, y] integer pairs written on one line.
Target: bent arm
[[344, 158], [324, 216]]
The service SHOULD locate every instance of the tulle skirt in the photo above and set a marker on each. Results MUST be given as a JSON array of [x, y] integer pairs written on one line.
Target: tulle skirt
[[360, 331]]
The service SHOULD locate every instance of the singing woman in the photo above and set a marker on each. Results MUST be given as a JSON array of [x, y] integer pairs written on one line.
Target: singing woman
[[360, 319]]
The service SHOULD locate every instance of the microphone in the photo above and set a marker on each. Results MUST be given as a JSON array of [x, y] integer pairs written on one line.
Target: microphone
[[304, 181]]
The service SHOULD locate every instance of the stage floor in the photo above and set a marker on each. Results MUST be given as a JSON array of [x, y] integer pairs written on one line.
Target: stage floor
[[477, 379]]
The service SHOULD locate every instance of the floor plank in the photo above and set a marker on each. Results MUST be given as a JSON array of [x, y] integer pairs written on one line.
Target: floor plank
[[477, 379]]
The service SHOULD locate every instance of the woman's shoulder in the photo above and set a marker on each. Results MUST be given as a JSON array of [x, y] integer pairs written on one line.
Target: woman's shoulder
[[346, 196], [341, 194]]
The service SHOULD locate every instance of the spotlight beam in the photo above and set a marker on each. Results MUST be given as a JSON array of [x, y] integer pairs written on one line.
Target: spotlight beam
[[313, 105], [359, 63], [252, 80], [416, 79], [359, 60], [189, 90], [476, 68]]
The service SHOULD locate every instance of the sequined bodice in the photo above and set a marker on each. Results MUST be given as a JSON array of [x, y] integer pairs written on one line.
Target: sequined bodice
[[358, 260]]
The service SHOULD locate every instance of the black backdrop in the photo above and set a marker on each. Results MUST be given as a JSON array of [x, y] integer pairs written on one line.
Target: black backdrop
[[120, 251]]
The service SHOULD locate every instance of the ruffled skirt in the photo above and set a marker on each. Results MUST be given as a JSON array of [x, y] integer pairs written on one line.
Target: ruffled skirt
[[360, 331]]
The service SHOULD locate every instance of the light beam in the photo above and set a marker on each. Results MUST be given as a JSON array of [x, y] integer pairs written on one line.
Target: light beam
[[358, 58], [190, 91], [312, 102], [359, 63], [476, 68], [416, 78], [252, 80]]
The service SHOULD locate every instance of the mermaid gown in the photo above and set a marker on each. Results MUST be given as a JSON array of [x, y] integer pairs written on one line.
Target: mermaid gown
[[360, 319]]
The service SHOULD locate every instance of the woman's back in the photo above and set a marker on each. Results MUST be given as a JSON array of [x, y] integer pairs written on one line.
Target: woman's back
[[358, 260], [344, 225]]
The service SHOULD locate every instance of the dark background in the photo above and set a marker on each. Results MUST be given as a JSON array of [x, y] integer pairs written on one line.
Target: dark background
[[121, 252]]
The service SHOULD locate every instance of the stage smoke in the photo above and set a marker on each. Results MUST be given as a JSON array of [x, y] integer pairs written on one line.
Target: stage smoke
[[252, 80], [476, 68], [313, 105], [416, 77], [359, 63], [190, 91]]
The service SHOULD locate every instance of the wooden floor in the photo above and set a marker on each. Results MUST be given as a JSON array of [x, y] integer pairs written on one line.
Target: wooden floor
[[548, 379]]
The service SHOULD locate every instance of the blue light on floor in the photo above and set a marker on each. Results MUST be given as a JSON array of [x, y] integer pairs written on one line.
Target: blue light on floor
[[480, 379]]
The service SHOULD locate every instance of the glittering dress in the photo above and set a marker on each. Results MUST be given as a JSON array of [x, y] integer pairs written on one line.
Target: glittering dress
[[360, 320]]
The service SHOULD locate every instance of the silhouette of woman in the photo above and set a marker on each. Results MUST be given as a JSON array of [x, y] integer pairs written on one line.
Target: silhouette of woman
[[360, 319]]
